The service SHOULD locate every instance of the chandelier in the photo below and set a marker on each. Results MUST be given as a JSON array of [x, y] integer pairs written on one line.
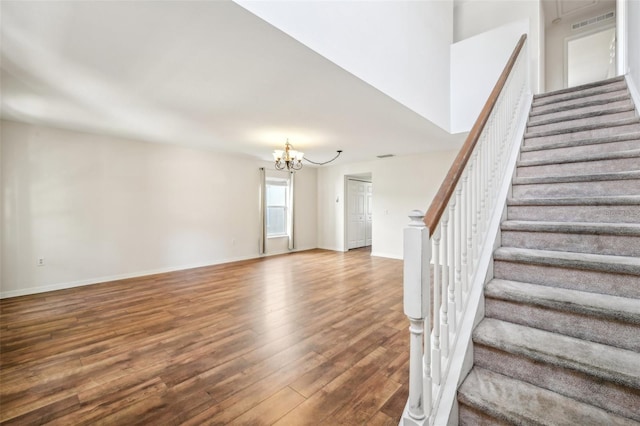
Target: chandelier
[[289, 159]]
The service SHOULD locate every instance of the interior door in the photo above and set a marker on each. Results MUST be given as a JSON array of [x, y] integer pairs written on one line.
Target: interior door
[[359, 213], [368, 215]]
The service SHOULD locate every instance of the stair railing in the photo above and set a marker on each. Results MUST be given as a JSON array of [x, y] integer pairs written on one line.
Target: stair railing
[[444, 247]]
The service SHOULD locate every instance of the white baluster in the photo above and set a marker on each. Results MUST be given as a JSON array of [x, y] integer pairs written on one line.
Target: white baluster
[[485, 189], [452, 267], [437, 287], [474, 217], [481, 183], [469, 214], [458, 243], [465, 229], [495, 135], [444, 330]]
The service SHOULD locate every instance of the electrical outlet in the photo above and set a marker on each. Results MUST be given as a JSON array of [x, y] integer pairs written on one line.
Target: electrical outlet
[[40, 261]]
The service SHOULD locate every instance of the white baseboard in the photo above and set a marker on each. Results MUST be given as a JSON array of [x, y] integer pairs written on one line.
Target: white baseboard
[[332, 248], [387, 255], [633, 91], [138, 274]]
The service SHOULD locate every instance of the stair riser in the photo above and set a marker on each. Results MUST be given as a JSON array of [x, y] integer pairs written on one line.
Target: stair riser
[[575, 124], [622, 285], [595, 91], [616, 245], [582, 87], [579, 136], [581, 168], [577, 189], [599, 214], [569, 152], [586, 327], [619, 399], [469, 416], [593, 100], [572, 113]]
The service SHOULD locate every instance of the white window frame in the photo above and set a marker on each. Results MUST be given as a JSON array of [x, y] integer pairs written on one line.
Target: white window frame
[[270, 181]]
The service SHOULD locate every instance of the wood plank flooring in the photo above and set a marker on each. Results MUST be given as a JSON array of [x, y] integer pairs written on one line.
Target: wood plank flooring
[[315, 337]]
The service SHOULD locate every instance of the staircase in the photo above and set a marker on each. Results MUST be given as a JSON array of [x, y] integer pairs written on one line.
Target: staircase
[[560, 341]]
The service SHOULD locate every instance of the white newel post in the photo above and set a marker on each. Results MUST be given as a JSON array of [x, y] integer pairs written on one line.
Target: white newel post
[[417, 255]]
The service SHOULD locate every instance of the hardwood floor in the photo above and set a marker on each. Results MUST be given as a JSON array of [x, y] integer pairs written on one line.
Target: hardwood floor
[[315, 337]]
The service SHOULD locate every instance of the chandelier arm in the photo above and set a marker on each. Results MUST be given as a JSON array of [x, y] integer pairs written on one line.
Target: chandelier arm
[[325, 162]]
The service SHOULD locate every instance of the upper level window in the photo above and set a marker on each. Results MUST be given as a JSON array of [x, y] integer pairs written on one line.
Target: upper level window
[[276, 204]]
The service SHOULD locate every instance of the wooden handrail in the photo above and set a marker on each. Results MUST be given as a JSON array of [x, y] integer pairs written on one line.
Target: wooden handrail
[[441, 200]]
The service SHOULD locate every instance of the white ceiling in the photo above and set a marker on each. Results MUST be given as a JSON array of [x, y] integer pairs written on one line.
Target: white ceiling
[[200, 73]]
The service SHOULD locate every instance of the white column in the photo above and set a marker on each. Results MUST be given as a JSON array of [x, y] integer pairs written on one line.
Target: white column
[[621, 37], [417, 256]]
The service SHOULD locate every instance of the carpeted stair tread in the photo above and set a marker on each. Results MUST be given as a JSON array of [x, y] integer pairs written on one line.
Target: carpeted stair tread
[[555, 97], [594, 126], [616, 163], [566, 107], [584, 261], [587, 141], [516, 402], [591, 228], [580, 102], [595, 177], [580, 88], [618, 208], [602, 361], [631, 153], [619, 239], [573, 312], [620, 200], [585, 111], [600, 305], [581, 117]]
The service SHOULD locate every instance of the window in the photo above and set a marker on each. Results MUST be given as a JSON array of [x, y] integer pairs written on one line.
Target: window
[[276, 204]]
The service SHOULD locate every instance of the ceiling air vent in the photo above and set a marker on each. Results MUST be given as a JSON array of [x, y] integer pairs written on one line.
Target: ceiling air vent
[[595, 20], [384, 155]]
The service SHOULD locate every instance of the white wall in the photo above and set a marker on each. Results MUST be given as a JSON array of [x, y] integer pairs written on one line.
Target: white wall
[[97, 208], [633, 47], [476, 65], [556, 35], [471, 18], [400, 184], [538, 56], [399, 47]]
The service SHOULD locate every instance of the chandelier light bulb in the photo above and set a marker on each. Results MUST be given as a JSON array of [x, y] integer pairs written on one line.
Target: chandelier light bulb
[[291, 160]]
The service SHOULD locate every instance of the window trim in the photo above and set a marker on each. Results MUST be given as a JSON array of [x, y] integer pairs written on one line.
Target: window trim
[[281, 182]]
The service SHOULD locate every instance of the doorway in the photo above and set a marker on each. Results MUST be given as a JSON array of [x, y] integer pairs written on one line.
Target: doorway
[[359, 212], [591, 57]]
